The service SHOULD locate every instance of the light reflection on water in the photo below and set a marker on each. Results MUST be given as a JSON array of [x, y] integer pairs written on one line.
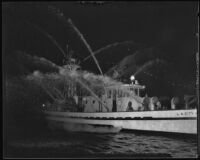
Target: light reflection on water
[[119, 143]]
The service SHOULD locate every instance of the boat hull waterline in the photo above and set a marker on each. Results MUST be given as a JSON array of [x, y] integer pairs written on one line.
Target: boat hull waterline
[[174, 121]]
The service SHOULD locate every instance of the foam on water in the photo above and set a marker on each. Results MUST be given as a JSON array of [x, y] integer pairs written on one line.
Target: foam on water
[[90, 128]]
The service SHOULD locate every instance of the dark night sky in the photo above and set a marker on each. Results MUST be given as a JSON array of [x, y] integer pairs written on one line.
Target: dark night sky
[[166, 29], [171, 25]]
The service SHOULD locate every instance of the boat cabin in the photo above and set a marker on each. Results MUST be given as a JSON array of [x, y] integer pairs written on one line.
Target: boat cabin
[[116, 98]]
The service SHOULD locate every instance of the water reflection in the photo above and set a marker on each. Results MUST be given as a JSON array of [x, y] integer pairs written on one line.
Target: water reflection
[[77, 144]]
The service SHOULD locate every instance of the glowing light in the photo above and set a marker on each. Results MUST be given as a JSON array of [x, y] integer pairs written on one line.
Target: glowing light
[[43, 105], [132, 78]]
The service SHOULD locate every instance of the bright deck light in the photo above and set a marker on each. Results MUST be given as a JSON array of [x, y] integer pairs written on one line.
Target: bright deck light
[[132, 78]]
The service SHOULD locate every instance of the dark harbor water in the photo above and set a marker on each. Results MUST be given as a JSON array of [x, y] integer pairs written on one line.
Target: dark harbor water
[[62, 144]]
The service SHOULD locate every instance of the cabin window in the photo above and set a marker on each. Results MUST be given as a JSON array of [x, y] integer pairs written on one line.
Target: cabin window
[[138, 92], [123, 94], [133, 91], [119, 93], [109, 94], [86, 102], [93, 101], [127, 94], [142, 93], [114, 93]]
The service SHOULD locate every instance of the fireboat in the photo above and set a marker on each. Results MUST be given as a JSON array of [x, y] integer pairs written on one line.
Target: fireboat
[[121, 107]]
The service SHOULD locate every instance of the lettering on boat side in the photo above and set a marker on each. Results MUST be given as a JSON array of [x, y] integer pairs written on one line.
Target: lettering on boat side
[[184, 113]]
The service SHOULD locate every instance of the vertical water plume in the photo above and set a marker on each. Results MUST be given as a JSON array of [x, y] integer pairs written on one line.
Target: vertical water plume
[[107, 47], [148, 65], [48, 36], [92, 93], [45, 84], [60, 15], [86, 44], [69, 22], [56, 84]]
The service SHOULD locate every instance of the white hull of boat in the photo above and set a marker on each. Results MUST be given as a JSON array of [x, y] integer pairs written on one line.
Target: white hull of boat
[[174, 121]]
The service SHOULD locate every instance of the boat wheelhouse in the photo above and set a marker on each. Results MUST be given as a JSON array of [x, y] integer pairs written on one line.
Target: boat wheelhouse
[[117, 98]]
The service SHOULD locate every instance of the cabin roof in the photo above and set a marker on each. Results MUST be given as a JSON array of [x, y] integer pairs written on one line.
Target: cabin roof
[[126, 86]]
